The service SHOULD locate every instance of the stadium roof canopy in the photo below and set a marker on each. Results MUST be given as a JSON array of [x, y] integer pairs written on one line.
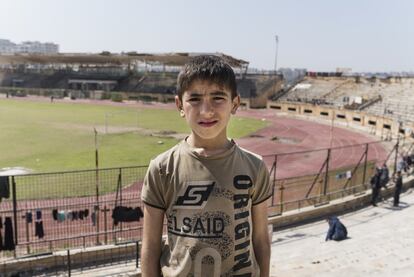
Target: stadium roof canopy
[[171, 59]]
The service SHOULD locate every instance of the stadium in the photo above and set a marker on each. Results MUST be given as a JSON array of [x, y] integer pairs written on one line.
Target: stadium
[[96, 120]]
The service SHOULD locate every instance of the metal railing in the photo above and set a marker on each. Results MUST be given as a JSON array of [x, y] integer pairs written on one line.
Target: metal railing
[[315, 177], [59, 210]]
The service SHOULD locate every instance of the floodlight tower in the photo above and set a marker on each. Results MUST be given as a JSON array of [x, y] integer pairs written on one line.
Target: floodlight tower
[[277, 46]]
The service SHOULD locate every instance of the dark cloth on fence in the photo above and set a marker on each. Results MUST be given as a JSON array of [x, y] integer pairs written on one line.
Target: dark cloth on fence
[[61, 216], [55, 214], [397, 192], [337, 231], [126, 214], [38, 214], [75, 215], [1, 231], [4, 187], [29, 217], [93, 218], [39, 232], [70, 215], [8, 234]]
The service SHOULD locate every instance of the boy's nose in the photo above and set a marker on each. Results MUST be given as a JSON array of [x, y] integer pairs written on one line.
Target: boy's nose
[[206, 108]]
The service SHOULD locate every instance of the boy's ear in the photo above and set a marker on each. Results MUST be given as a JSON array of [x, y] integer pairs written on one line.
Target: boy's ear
[[236, 104], [179, 105]]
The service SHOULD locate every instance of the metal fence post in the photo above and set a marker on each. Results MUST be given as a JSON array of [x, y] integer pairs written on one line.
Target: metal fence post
[[365, 164], [16, 241], [137, 254], [69, 263], [274, 180], [282, 188], [96, 208], [120, 186], [120, 194], [106, 210], [326, 183], [396, 153]]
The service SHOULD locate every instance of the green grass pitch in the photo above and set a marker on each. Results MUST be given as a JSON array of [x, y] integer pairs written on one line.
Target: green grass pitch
[[59, 136]]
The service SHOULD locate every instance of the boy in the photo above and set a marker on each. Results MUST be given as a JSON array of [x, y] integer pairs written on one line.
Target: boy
[[211, 191]]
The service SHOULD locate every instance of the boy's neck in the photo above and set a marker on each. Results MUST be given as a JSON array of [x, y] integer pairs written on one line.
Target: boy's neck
[[208, 147]]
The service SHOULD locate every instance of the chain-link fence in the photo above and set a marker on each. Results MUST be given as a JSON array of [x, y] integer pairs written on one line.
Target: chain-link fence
[[311, 178], [62, 210]]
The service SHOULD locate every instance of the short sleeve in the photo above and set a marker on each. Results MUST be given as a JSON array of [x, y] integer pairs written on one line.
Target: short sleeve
[[152, 189], [262, 189]]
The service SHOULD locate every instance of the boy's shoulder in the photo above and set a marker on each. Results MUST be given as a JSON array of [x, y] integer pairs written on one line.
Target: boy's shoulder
[[249, 156]]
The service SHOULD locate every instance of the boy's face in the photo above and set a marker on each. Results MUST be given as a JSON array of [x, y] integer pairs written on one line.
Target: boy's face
[[207, 108]]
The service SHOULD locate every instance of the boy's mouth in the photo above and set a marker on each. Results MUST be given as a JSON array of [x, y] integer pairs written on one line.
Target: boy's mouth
[[207, 123]]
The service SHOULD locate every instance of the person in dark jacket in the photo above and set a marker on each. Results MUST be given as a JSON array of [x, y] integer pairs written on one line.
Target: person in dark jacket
[[385, 177], [337, 231], [376, 186], [398, 188]]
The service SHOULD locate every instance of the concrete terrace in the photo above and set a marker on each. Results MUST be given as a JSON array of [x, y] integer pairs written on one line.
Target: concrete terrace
[[381, 243]]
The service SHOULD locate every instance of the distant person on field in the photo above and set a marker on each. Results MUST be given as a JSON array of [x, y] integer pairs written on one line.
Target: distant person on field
[[211, 191], [402, 165], [376, 186], [409, 161], [337, 230], [398, 188], [385, 176]]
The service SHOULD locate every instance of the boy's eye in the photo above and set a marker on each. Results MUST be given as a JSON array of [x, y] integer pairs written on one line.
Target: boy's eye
[[218, 98], [193, 99]]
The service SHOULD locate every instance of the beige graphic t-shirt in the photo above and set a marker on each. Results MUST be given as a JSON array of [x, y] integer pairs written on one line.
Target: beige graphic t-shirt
[[207, 202]]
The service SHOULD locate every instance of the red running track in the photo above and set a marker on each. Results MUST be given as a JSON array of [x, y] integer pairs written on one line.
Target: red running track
[[295, 135]]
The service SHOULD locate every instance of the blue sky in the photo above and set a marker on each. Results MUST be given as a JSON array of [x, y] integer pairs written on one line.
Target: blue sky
[[365, 35]]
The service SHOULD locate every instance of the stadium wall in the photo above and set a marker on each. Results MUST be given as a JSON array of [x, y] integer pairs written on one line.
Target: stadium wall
[[378, 125]]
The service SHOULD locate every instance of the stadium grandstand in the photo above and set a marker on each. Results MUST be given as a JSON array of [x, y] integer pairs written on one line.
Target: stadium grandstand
[[134, 75], [389, 96]]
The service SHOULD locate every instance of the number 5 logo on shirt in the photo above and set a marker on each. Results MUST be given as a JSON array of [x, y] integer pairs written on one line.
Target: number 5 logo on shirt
[[194, 195]]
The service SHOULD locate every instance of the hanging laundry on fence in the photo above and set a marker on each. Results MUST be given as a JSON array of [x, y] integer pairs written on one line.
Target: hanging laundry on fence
[[126, 214], [39, 232], [8, 234], [29, 217], [1, 231], [4, 187]]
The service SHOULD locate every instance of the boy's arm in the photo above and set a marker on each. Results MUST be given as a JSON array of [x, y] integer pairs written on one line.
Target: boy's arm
[[261, 243], [151, 242]]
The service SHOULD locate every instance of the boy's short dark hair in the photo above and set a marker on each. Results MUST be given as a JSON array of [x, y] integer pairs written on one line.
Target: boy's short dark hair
[[209, 68]]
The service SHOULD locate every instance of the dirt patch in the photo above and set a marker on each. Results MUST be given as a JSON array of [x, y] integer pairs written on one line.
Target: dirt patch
[[169, 134], [285, 140], [101, 129], [9, 171]]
